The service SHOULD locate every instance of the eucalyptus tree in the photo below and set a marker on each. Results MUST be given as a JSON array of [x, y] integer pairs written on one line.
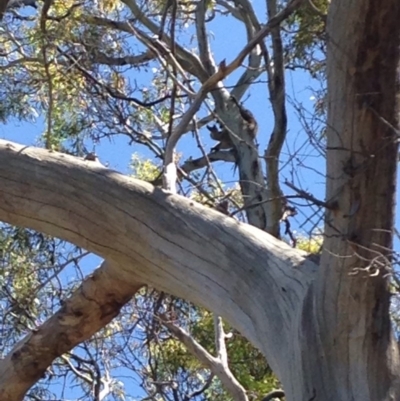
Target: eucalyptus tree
[[324, 329]]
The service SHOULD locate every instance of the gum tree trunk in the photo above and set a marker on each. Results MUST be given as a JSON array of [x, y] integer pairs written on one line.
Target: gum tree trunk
[[346, 343]]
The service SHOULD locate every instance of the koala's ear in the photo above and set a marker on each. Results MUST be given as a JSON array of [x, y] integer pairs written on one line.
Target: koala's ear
[[212, 128]]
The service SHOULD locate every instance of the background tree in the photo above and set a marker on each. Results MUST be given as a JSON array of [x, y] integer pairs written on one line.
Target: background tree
[[326, 332]]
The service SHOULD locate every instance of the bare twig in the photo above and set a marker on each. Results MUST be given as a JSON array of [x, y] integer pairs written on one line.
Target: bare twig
[[45, 43], [306, 195], [217, 366]]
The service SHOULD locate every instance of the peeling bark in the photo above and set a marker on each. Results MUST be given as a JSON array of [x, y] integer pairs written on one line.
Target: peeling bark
[[93, 305]]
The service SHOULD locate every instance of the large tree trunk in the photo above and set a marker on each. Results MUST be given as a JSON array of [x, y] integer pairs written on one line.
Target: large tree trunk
[[347, 348]]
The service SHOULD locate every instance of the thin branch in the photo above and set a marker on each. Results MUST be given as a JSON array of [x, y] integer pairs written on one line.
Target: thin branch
[[253, 67], [276, 86], [166, 57], [102, 58], [202, 39], [45, 44], [224, 70], [216, 365], [175, 67], [231, 9], [306, 195], [220, 341], [189, 61], [114, 93], [196, 164]]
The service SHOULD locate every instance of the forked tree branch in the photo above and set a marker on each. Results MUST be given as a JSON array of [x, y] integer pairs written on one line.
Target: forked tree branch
[[223, 71], [217, 365]]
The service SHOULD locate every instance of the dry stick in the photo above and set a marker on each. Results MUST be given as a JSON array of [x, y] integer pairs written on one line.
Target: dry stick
[[217, 365], [307, 196], [174, 5], [45, 43], [169, 178]]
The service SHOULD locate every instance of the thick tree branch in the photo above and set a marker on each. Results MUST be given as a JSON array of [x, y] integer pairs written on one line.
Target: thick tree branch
[[93, 305], [256, 282]]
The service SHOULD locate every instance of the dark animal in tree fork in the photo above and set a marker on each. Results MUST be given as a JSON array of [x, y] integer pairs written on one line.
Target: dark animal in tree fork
[[221, 134]]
